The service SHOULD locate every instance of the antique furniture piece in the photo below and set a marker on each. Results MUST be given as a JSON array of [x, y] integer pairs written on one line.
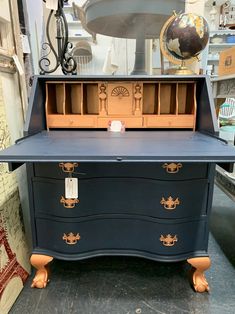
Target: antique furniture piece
[[145, 192]]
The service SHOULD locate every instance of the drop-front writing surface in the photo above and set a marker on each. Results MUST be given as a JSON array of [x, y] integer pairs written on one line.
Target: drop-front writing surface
[[145, 192]]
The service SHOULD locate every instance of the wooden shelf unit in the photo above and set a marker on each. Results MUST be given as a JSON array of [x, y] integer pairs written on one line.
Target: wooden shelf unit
[[138, 104]]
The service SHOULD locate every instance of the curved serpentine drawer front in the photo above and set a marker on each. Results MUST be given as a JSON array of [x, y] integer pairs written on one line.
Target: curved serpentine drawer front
[[163, 199], [123, 234], [161, 171]]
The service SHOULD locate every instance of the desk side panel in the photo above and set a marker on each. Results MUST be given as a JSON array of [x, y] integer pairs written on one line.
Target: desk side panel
[[35, 119], [206, 115]]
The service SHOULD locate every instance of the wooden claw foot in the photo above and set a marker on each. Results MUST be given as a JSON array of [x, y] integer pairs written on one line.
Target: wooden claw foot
[[199, 265], [42, 274]]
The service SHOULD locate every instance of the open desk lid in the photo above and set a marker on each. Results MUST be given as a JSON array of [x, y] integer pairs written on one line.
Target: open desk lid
[[56, 146]]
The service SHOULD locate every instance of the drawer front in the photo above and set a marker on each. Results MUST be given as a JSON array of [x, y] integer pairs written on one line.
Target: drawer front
[[162, 171], [121, 234], [123, 196]]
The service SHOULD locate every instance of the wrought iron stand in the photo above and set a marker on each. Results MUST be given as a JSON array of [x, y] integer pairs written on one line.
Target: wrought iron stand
[[62, 53]]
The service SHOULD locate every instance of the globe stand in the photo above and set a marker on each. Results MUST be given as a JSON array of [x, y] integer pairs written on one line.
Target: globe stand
[[183, 70]]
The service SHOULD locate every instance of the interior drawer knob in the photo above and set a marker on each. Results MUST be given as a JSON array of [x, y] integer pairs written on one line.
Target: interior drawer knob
[[172, 167], [170, 203], [71, 238], [168, 240], [68, 166], [69, 202]]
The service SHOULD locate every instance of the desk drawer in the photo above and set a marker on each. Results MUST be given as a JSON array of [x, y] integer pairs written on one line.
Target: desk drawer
[[123, 196], [161, 171], [121, 234]]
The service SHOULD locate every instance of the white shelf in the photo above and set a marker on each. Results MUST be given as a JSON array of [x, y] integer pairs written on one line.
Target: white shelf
[[212, 45], [211, 59], [221, 32], [73, 37], [74, 23], [67, 8]]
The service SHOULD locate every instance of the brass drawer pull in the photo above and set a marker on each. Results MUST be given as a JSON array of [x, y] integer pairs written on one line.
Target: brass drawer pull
[[172, 167], [168, 240], [68, 166], [69, 202], [170, 204], [71, 238]]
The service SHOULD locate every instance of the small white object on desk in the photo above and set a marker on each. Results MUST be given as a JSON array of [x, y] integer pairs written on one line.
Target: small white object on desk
[[116, 126]]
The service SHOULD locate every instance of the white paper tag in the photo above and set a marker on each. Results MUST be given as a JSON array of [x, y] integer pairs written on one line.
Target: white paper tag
[[52, 4], [25, 43], [71, 188], [18, 64], [116, 126]]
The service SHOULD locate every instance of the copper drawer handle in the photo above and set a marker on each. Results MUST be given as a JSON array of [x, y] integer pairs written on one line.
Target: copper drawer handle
[[68, 166], [168, 240], [172, 167], [69, 202], [170, 203], [71, 238]]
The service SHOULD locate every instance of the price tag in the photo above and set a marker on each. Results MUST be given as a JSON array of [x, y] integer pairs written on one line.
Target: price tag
[[25, 43], [52, 4], [71, 188], [116, 126]]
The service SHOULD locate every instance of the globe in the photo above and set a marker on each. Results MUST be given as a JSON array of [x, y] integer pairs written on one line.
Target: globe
[[186, 35]]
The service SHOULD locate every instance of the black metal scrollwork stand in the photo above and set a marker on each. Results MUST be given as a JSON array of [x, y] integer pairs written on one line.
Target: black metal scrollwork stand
[[62, 55]]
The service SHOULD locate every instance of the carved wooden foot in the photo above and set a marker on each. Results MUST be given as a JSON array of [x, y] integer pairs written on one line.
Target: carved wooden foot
[[42, 275], [199, 265]]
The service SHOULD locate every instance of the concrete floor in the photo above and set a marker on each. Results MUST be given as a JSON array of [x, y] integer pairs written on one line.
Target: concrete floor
[[122, 285]]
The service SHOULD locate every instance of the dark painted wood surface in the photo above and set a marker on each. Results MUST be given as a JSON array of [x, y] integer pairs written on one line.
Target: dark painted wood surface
[[127, 285], [133, 236], [123, 196], [129, 146], [150, 170]]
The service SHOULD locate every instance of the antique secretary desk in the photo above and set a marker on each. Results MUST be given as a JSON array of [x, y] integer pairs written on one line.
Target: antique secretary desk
[[145, 192]]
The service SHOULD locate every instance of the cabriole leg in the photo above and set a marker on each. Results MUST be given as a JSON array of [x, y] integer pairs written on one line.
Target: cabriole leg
[[40, 262], [199, 265]]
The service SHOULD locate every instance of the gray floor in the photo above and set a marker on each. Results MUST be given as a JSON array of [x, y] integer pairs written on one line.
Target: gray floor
[[121, 285]]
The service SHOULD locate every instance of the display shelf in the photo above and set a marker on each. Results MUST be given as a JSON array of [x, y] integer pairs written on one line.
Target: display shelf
[[214, 47], [213, 59], [67, 8], [221, 45], [222, 32], [79, 36], [74, 23]]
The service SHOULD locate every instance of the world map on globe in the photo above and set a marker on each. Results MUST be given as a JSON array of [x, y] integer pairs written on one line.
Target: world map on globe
[[187, 35]]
